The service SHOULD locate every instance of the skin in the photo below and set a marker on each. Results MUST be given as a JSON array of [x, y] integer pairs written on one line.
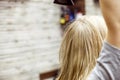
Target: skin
[[111, 13]]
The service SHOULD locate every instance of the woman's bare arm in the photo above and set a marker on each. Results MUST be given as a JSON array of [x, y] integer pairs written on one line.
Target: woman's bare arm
[[111, 13]]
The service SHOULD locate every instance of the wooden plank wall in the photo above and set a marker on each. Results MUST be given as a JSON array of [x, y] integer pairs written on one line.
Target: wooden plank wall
[[29, 39]]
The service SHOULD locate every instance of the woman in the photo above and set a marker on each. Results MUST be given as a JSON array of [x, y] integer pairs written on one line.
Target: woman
[[108, 64], [80, 47]]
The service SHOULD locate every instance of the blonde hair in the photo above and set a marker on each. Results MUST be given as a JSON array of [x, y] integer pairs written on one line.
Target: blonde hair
[[80, 47]]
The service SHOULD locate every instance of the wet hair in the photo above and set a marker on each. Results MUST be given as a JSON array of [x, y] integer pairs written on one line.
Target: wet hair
[[80, 47]]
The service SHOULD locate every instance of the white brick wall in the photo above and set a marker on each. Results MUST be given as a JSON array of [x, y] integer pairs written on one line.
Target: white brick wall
[[91, 8], [29, 39]]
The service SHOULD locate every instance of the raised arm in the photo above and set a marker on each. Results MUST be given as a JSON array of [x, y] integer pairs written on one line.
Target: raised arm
[[111, 13]]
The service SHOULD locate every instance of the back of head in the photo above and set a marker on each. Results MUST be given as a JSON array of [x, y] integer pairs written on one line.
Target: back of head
[[80, 47], [99, 23]]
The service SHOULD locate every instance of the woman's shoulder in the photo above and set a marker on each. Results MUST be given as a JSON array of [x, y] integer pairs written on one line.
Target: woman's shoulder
[[107, 67]]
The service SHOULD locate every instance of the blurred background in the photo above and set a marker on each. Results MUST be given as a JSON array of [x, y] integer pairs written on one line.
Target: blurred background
[[30, 35]]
